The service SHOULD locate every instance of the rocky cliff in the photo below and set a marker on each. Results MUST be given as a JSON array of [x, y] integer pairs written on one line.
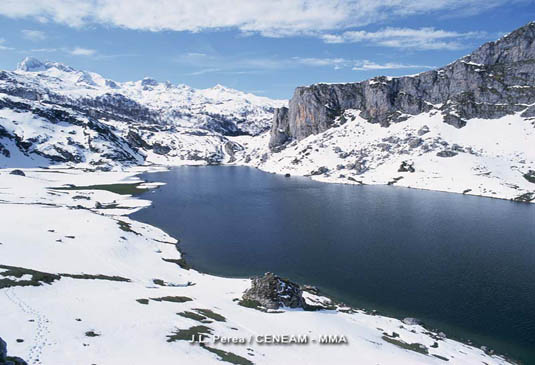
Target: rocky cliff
[[495, 80]]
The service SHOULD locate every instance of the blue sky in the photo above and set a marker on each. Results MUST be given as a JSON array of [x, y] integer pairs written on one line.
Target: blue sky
[[260, 46]]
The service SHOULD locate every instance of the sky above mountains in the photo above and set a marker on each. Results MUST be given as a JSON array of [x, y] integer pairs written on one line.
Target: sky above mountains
[[263, 47]]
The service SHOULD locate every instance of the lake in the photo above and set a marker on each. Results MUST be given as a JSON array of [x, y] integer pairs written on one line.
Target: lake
[[462, 264]]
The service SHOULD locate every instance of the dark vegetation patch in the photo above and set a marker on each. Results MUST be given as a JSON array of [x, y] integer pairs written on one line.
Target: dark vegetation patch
[[249, 303], [126, 227], [228, 356], [180, 262], [201, 332], [172, 299], [92, 334], [142, 301], [95, 277], [530, 176], [395, 180], [99, 205], [210, 314], [195, 332], [39, 277], [192, 315], [417, 347], [441, 357], [121, 189]]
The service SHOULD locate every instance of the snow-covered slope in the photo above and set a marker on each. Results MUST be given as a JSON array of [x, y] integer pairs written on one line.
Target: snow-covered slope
[[106, 290], [152, 121], [493, 158]]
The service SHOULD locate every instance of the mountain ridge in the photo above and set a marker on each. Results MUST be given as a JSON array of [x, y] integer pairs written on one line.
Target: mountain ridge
[[150, 121], [465, 88]]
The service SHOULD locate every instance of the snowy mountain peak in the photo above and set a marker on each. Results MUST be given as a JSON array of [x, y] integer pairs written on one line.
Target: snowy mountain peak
[[148, 81], [32, 64], [221, 87]]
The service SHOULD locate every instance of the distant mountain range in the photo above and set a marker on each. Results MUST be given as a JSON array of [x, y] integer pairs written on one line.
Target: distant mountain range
[[51, 111]]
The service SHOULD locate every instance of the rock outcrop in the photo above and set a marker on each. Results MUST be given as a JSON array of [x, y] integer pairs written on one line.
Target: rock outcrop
[[495, 80], [272, 292], [9, 360], [17, 172]]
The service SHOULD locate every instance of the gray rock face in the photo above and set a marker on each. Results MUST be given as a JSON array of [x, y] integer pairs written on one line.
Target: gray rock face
[[9, 360], [495, 80], [530, 176], [280, 132], [272, 292], [3, 350]]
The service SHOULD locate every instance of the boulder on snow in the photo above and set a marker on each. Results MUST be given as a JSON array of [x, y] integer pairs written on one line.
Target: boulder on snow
[[530, 176], [272, 292], [406, 167], [423, 130], [17, 172], [320, 171], [446, 153]]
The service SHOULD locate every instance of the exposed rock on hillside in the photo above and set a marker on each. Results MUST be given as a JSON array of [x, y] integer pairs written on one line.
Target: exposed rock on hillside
[[272, 292], [8, 360], [495, 80], [468, 127]]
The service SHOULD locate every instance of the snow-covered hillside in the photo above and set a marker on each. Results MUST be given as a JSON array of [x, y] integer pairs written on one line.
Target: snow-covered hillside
[[81, 283], [493, 158], [50, 111]]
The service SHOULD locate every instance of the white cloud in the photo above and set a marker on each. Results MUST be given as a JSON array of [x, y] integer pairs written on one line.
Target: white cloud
[[204, 71], [356, 65], [274, 18], [408, 38], [366, 65], [320, 62], [2, 47], [78, 51], [48, 50], [246, 65], [33, 35]]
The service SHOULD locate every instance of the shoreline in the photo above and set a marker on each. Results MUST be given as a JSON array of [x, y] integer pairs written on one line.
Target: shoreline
[[131, 229], [456, 332]]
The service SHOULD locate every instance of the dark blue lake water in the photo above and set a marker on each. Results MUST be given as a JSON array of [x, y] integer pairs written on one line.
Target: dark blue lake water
[[464, 265]]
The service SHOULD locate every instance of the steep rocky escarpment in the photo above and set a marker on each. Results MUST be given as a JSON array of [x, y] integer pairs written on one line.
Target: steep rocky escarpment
[[497, 79]]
